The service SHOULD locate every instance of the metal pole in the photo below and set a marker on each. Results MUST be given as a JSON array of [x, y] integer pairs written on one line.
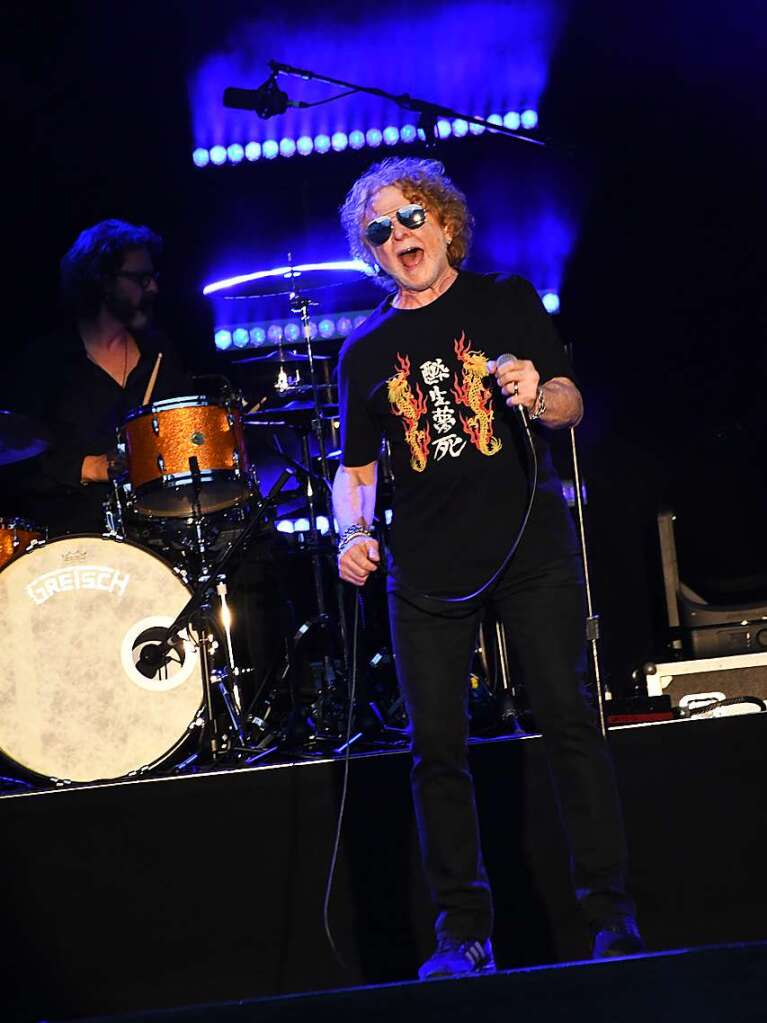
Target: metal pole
[[592, 619]]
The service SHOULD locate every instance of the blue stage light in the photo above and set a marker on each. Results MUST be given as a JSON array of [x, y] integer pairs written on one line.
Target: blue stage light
[[551, 302], [327, 328], [444, 129], [344, 325], [235, 153], [323, 524], [284, 526], [269, 149], [495, 119], [223, 339], [476, 129], [257, 336], [359, 320], [292, 332], [391, 135], [529, 119], [240, 337], [512, 120], [301, 525], [253, 151], [322, 143], [356, 139], [460, 127], [201, 157], [373, 137], [274, 333], [408, 133], [287, 147], [218, 155], [339, 141], [305, 145], [312, 330]]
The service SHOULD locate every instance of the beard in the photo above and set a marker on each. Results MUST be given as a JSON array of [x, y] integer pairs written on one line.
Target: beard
[[133, 315]]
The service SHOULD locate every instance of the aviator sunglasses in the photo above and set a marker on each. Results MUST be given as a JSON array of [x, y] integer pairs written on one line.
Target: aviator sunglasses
[[411, 216]]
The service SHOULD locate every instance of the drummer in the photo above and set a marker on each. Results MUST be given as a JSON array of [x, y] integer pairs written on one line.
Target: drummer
[[81, 381]]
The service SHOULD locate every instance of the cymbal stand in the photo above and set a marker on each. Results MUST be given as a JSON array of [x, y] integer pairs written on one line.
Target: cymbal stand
[[300, 304]]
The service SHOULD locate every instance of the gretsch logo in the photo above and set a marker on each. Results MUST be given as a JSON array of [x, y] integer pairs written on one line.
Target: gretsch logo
[[80, 577]]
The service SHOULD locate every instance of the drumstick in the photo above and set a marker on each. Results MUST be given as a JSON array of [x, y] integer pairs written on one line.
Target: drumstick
[[152, 379]]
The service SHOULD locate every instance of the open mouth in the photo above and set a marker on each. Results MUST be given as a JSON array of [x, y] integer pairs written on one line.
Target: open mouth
[[411, 257]]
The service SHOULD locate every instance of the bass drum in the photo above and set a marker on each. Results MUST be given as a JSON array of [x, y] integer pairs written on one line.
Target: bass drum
[[75, 614]]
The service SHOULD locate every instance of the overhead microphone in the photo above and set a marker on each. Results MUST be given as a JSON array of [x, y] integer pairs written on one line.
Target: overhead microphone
[[267, 100]]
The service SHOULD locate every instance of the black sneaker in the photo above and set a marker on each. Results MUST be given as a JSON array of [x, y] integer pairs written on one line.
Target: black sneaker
[[619, 937], [454, 957]]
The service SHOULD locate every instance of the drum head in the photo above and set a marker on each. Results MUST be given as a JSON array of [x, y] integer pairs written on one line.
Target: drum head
[[74, 616]]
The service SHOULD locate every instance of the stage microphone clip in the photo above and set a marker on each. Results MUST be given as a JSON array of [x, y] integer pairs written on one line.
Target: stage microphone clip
[[267, 100]]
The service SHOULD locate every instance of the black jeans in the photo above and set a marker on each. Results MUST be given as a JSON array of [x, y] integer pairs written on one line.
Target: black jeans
[[543, 610]]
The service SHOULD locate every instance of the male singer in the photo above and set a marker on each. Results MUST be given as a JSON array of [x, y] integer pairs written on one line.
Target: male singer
[[423, 371]]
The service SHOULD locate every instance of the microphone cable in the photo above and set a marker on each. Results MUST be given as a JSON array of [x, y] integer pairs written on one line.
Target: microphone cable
[[532, 478], [352, 691]]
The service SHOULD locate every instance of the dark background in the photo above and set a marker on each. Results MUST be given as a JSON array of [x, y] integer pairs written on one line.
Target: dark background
[[661, 109]]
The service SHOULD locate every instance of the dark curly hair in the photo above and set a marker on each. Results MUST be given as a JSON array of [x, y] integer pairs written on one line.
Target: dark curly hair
[[98, 253], [422, 181]]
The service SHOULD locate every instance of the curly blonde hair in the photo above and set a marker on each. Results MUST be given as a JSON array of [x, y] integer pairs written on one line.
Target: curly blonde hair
[[423, 181]]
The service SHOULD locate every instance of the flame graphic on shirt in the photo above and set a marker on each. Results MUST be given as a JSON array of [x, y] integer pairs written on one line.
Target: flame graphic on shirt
[[405, 404], [473, 393]]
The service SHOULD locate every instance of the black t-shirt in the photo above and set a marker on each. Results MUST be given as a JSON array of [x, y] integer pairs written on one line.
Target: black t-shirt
[[419, 377], [81, 407]]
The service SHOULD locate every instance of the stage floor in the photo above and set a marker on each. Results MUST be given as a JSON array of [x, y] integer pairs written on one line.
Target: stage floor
[[707, 985], [160, 892]]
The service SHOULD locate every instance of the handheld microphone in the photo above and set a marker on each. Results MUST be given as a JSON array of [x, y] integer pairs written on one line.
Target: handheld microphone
[[508, 357]]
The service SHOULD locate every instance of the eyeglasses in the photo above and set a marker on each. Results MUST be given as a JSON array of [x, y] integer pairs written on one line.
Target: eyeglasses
[[411, 216], [141, 277]]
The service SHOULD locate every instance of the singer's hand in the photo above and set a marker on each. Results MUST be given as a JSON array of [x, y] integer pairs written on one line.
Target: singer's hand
[[518, 380], [358, 560]]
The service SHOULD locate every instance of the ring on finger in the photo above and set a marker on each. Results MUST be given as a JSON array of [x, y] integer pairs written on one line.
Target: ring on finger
[[515, 389]]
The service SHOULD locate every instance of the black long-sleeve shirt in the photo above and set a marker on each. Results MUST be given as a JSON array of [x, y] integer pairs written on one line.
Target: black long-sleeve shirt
[[81, 406]]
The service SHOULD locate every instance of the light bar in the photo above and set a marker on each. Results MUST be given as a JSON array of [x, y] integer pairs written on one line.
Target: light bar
[[374, 137], [275, 332], [337, 327]]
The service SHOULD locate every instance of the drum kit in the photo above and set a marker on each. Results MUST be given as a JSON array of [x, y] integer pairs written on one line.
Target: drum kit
[[121, 653], [192, 631]]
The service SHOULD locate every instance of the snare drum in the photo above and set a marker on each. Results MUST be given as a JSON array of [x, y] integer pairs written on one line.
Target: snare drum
[[162, 439], [15, 537], [76, 614]]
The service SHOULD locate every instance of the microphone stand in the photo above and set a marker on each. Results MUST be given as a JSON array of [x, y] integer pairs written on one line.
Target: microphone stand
[[424, 107]]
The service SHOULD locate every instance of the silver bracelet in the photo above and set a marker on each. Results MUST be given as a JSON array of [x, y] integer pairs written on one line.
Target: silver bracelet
[[540, 405], [351, 533]]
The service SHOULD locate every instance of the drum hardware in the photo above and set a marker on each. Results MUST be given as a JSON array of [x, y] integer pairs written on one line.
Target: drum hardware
[[197, 612]]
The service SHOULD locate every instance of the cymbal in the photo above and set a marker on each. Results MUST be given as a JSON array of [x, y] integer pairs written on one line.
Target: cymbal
[[332, 280], [20, 437], [278, 356], [290, 414]]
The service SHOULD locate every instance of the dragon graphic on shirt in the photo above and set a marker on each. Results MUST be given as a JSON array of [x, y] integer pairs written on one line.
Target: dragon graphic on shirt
[[475, 395], [410, 408]]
